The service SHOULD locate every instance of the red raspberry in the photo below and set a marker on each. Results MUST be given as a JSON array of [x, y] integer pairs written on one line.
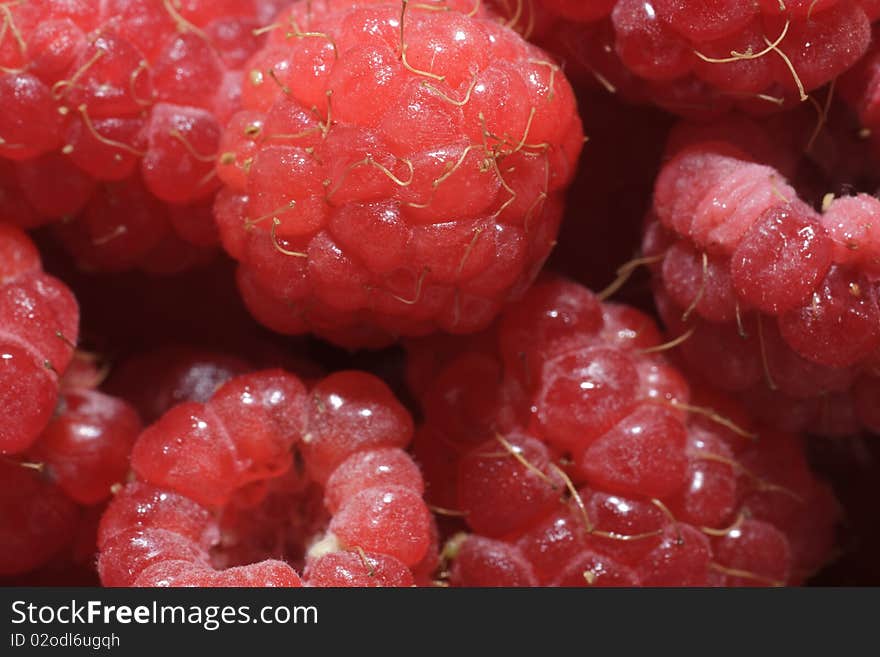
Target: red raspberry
[[761, 286], [39, 324], [595, 464], [394, 179], [51, 494], [695, 57], [99, 97], [225, 483]]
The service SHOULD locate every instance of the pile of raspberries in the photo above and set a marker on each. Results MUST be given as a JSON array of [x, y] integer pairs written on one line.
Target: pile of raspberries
[[469, 293]]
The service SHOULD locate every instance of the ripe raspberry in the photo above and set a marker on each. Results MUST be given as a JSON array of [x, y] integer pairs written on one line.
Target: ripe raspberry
[[39, 324], [694, 57], [50, 494], [760, 285], [226, 483], [394, 179], [594, 463], [99, 97]]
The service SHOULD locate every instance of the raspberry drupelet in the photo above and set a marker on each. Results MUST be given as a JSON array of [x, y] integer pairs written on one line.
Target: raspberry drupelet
[[39, 325], [226, 488], [120, 105], [694, 57], [774, 297], [576, 455], [397, 169]]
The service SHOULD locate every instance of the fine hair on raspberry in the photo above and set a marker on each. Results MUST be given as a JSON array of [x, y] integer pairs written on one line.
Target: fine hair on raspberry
[[397, 169]]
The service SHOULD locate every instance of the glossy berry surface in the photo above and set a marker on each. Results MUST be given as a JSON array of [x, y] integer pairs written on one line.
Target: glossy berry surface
[[225, 483], [594, 463], [439, 293], [761, 282], [53, 493], [105, 101], [39, 325], [85, 449]]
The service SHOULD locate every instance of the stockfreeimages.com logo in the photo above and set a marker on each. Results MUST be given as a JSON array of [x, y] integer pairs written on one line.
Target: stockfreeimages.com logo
[[209, 617]]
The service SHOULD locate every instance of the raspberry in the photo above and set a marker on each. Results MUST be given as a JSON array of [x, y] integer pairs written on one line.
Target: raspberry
[[700, 58], [595, 464], [51, 493], [760, 285], [374, 186], [39, 324], [85, 448], [131, 93], [224, 484]]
